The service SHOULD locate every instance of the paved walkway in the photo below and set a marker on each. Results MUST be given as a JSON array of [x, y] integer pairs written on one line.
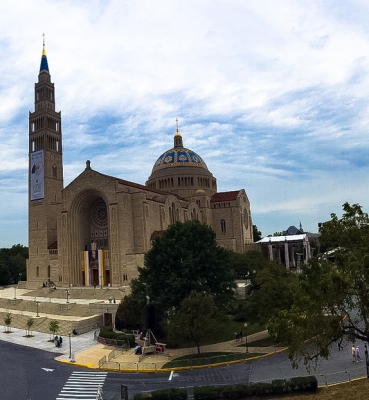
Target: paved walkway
[[85, 351]]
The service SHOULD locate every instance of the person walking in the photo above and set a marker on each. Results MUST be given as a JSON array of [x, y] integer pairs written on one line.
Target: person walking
[[357, 354], [353, 352]]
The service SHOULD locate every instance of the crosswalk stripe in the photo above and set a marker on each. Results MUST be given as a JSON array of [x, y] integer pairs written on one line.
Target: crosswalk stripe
[[82, 386]]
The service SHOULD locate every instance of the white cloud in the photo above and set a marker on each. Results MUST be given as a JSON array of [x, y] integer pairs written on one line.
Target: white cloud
[[272, 95]]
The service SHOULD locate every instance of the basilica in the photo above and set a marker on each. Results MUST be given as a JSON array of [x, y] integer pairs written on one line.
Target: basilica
[[96, 230]]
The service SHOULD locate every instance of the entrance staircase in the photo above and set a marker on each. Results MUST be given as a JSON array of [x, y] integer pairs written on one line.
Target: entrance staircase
[[82, 308]]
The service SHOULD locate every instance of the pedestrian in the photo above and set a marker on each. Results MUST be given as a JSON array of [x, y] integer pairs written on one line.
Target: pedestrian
[[357, 354], [237, 335], [60, 341], [56, 340], [353, 352], [340, 347], [241, 335]]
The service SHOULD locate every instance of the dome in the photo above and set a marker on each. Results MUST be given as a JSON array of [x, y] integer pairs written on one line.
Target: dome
[[179, 157], [182, 172]]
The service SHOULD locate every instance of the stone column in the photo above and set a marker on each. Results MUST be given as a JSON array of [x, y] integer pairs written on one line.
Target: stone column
[[270, 247], [286, 255]]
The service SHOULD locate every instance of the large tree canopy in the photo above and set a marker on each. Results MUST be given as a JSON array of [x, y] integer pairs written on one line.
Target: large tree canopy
[[195, 319], [13, 264], [185, 259], [331, 295]]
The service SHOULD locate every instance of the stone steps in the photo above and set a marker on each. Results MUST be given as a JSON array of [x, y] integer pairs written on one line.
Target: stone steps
[[80, 293], [42, 323]]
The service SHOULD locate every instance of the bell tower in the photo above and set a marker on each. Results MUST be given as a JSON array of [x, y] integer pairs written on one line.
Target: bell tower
[[45, 178]]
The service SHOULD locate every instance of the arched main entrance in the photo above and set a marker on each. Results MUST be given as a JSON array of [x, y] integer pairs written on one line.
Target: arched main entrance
[[91, 229]]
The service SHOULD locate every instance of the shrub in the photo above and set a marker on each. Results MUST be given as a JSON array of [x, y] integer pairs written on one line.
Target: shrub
[[108, 333], [262, 389]]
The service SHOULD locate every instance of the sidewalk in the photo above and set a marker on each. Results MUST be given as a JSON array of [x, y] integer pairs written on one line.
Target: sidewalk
[[86, 352], [128, 361]]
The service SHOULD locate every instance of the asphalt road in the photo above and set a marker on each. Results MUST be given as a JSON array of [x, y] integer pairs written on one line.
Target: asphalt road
[[31, 374]]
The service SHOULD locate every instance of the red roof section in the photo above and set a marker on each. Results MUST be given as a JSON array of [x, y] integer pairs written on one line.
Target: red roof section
[[225, 196]]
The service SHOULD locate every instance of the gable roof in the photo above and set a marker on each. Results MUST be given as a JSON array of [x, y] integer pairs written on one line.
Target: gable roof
[[225, 196]]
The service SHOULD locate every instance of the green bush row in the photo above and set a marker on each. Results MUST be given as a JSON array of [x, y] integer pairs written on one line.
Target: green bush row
[[108, 333], [277, 386]]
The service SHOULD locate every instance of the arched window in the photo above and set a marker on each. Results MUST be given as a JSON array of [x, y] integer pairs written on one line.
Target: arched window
[[223, 226], [172, 213]]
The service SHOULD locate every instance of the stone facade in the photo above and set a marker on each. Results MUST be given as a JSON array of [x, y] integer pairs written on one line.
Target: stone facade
[[96, 230]]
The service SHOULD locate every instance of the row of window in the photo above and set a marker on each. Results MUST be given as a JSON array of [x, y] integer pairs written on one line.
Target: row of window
[[182, 181], [39, 123], [44, 93], [222, 205]]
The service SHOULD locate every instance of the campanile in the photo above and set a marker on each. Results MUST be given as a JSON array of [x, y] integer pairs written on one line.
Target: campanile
[[45, 177]]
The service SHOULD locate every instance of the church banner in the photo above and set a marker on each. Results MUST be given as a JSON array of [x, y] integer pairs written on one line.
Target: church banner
[[86, 262], [37, 175], [101, 266]]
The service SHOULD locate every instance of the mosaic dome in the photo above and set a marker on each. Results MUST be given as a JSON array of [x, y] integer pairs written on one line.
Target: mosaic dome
[[179, 157]]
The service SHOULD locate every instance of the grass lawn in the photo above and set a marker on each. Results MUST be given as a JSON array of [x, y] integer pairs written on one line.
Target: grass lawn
[[267, 342], [224, 332], [355, 390], [207, 358]]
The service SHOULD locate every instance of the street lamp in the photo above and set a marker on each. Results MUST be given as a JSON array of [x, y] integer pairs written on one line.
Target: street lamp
[[70, 347], [366, 361], [247, 347], [67, 291], [100, 282], [37, 304]]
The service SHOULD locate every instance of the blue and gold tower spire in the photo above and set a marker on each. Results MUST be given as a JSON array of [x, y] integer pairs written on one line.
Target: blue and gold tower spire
[[177, 137], [44, 65]]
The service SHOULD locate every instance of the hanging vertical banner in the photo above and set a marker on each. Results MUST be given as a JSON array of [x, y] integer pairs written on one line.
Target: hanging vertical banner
[[101, 266], [86, 265], [37, 175]]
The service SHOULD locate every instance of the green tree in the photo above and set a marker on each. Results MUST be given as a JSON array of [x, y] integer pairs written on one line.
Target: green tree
[[331, 298], [257, 234], [246, 264], [185, 259], [13, 264], [53, 328], [275, 292], [195, 319], [8, 321], [130, 314], [30, 323]]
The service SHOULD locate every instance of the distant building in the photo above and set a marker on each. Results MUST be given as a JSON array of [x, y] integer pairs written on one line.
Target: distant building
[[96, 230], [293, 248]]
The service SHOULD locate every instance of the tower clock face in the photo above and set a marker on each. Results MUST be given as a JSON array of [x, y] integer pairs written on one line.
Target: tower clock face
[[100, 214]]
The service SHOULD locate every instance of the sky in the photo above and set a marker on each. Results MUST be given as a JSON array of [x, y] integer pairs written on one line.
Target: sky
[[273, 95]]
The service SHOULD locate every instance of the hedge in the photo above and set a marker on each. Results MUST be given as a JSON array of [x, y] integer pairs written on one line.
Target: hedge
[[262, 389]]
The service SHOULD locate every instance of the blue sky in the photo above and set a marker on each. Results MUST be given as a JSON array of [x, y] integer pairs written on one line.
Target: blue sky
[[272, 95]]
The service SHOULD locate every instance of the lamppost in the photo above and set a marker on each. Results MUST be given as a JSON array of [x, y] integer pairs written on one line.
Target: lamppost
[[366, 361], [37, 304], [67, 291], [100, 282], [247, 347], [70, 347]]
